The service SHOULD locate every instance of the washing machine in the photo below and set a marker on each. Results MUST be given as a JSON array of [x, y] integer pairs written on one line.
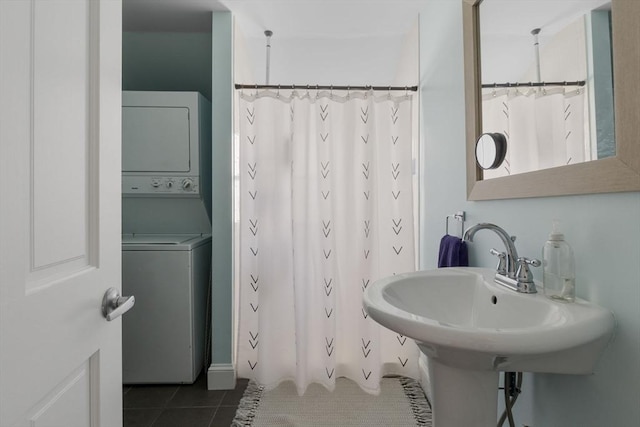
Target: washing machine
[[163, 339]]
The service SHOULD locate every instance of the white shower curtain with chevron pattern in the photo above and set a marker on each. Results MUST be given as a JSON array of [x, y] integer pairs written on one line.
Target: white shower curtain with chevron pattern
[[326, 208], [544, 128]]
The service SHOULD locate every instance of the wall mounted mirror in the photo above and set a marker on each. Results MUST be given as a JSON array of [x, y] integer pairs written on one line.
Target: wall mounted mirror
[[601, 153]]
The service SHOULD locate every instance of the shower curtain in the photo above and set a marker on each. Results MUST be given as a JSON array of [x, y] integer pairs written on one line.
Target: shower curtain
[[326, 208], [545, 128]]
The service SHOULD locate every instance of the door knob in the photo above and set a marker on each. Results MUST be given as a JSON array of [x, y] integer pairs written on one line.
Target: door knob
[[114, 305]]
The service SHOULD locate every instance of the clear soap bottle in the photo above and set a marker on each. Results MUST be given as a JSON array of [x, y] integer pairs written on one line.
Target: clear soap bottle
[[558, 267]]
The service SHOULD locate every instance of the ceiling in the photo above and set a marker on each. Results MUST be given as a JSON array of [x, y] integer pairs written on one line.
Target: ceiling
[[169, 15], [342, 41], [286, 18]]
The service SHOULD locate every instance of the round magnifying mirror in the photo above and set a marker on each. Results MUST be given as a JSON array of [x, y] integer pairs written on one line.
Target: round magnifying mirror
[[490, 150]]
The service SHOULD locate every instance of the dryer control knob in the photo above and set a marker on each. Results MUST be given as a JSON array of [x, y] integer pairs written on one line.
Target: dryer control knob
[[187, 184]]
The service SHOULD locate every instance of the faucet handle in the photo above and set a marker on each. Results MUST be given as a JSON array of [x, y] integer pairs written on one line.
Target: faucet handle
[[501, 268], [533, 262], [524, 274]]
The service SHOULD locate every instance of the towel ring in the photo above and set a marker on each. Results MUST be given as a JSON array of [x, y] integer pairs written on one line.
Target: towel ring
[[459, 217]]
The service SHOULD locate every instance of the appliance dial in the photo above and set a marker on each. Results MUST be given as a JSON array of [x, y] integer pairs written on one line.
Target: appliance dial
[[187, 184]]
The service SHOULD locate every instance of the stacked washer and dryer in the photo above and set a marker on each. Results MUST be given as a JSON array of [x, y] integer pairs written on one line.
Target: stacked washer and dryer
[[166, 240]]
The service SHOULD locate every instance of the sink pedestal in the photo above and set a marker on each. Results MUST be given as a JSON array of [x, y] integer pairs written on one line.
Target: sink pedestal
[[462, 397]]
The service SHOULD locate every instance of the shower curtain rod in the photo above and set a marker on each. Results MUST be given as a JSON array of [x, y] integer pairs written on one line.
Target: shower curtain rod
[[325, 87], [533, 84]]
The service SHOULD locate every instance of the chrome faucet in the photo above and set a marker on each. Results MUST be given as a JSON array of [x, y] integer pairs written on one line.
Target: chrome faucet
[[512, 271]]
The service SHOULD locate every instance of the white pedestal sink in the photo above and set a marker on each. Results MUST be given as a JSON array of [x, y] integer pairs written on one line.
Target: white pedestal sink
[[471, 329]]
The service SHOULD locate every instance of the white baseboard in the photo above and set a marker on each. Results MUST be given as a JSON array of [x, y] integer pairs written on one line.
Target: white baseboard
[[424, 375], [221, 377]]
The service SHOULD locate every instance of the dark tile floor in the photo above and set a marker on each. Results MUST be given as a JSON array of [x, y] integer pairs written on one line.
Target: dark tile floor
[[189, 405]]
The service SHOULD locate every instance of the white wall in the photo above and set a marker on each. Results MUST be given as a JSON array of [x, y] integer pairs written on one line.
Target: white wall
[[408, 64], [603, 229], [326, 61]]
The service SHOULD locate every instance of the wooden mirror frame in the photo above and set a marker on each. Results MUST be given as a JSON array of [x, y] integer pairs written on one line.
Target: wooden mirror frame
[[614, 174]]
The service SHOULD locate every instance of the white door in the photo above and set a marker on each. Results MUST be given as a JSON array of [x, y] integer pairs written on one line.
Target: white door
[[60, 86]]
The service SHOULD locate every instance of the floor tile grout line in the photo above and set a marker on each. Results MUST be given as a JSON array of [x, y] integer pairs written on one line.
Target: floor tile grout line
[[213, 417], [172, 396], [138, 408], [156, 418]]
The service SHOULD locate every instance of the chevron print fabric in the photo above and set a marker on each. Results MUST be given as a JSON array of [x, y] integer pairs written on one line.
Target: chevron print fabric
[[326, 208]]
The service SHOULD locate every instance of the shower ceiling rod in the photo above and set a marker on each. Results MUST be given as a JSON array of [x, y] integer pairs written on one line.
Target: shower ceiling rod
[[533, 84], [325, 87]]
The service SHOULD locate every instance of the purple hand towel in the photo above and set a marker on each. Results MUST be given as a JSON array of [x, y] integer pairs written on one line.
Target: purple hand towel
[[453, 252]]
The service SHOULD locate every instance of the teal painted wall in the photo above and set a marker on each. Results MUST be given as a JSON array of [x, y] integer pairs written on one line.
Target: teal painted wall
[[602, 82], [167, 61], [604, 231]]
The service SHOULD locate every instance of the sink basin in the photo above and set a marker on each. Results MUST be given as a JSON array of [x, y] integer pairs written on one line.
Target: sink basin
[[461, 317], [470, 328]]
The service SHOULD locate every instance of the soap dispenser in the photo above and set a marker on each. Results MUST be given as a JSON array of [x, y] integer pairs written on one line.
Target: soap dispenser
[[558, 267]]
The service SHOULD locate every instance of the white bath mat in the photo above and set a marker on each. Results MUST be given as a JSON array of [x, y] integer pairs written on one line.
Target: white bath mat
[[401, 403]]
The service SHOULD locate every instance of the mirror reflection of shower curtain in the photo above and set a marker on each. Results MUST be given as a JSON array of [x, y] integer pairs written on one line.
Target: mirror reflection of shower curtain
[[326, 208], [545, 128]]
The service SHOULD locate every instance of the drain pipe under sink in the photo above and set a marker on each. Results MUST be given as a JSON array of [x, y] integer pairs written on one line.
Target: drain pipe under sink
[[512, 389]]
